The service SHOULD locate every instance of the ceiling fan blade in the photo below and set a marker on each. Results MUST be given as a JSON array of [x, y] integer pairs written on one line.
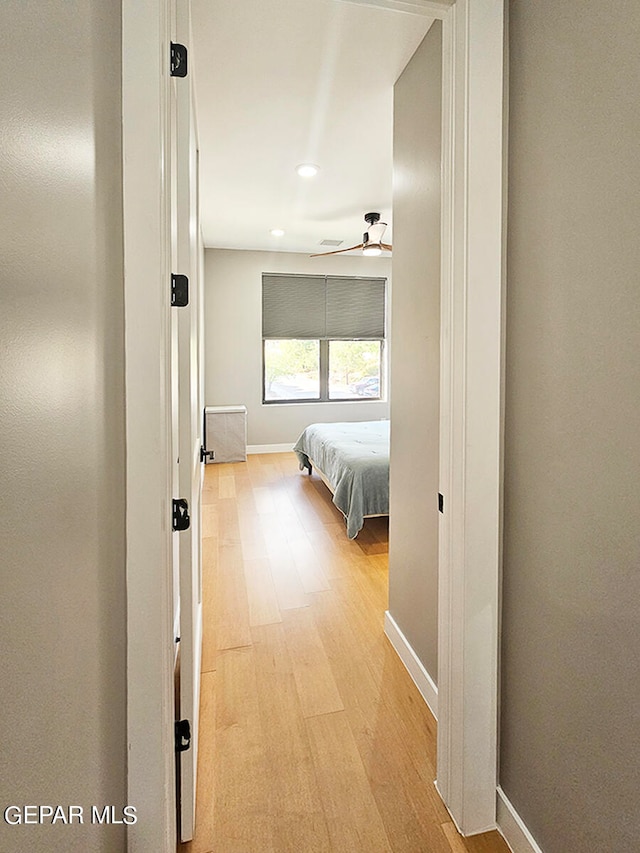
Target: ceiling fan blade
[[337, 251], [386, 246]]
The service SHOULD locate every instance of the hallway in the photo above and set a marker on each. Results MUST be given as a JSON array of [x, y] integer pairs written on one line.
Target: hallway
[[312, 735]]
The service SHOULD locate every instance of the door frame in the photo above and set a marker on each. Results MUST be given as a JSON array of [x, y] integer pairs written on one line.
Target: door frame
[[151, 783], [471, 407], [472, 335], [191, 439]]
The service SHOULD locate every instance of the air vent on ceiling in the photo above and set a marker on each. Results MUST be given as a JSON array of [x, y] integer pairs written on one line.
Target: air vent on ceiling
[[331, 242]]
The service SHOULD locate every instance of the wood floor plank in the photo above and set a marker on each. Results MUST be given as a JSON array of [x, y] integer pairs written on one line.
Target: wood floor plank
[[455, 844], [309, 569], [297, 817], [416, 724], [317, 689], [323, 540], [231, 605], [228, 525], [286, 578], [401, 769], [241, 814], [486, 842], [210, 479], [254, 468], [261, 593], [369, 541], [210, 519], [412, 814], [243, 484], [271, 472], [407, 815], [288, 463], [299, 492], [226, 486], [209, 573], [209, 496], [321, 500], [289, 589], [350, 809], [263, 500], [253, 545], [284, 506]]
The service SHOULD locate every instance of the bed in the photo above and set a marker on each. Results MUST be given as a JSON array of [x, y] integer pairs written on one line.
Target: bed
[[353, 461]]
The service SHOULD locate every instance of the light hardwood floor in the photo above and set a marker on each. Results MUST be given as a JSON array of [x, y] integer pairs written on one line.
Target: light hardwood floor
[[312, 735]]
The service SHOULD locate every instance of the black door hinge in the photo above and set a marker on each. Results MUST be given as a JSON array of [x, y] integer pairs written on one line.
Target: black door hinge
[[181, 520], [179, 291], [183, 735], [178, 60], [207, 455], [440, 502]]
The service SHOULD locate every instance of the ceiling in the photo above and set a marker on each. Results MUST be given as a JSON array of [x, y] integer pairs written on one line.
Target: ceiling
[[284, 82]]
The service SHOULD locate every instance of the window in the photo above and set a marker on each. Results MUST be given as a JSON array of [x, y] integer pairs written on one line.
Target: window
[[323, 338], [291, 370]]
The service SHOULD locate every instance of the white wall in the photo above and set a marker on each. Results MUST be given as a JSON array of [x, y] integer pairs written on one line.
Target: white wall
[[415, 369], [62, 548], [233, 340]]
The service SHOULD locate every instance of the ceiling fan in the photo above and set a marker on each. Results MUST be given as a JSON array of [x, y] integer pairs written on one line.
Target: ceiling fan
[[371, 239]]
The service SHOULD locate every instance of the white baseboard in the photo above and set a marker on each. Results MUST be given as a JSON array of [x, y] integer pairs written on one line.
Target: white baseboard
[[415, 668], [509, 823], [270, 448], [512, 828]]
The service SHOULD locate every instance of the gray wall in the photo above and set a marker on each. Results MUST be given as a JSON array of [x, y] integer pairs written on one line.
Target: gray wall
[[62, 665], [233, 340], [570, 753], [415, 366]]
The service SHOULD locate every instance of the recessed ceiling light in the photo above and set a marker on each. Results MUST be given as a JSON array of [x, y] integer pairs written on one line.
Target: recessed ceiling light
[[277, 232], [307, 170]]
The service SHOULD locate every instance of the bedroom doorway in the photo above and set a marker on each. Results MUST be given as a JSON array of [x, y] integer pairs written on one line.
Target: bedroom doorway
[[470, 409]]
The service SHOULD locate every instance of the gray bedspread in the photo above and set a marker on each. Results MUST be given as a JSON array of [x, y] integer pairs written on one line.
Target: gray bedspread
[[354, 457]]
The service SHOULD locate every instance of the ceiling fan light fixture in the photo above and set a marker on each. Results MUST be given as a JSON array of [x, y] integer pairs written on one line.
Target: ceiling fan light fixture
[[307, 170], [371, 245]]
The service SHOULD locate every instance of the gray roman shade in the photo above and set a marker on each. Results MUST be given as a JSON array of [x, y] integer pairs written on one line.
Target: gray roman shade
[[323, 307]]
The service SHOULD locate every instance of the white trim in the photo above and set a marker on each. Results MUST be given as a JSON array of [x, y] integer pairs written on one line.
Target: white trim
[[512, 827], [150, 639], [176, 634], [412, 662], [270, 448], [471, 410], [430, 8]]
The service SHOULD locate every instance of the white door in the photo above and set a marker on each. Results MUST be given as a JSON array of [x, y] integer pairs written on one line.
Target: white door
[[187, 349]]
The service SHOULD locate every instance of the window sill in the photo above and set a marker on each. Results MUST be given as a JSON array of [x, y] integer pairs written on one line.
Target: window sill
[[369, 402]]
